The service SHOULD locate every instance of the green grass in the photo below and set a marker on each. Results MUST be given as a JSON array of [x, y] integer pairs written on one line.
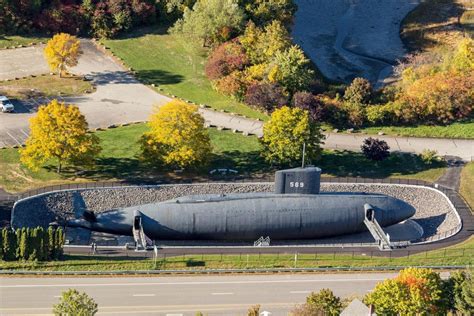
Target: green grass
[[45, 85], [119, 160], [7, 41], [461, 254], [455, 130], [467, 184], [175, 66]]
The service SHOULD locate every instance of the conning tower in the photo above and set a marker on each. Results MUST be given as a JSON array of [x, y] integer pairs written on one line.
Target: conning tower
[[298, 180]]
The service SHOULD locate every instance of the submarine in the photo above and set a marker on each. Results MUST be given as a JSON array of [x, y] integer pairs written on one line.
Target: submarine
[[295, 210]]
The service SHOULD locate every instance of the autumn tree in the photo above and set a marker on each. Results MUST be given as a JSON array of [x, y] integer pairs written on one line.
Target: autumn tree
[[62, 51], [225, 59], [375, 149], [60, 132], [292, 70], [266, 96], [326, 301], [413, 292], [177, 136], [266, 11], [286, 132], [210, 21], [72, 302], [308, 102]]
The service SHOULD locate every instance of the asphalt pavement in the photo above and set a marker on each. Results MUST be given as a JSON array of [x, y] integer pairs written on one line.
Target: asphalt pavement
[[181, 295]]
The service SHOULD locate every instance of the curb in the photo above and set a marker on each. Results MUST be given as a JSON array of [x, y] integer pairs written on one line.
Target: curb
[[227, 271]]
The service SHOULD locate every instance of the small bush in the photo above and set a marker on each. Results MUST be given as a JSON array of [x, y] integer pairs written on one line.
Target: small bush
[[266, 97], [360, 91], [233, 85], [375, 149], [429, 156], [308, 102], [225, 59]]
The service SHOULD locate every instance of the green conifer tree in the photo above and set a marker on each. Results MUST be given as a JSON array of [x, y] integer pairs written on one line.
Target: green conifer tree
[[17, 242], [33, 244], [1, 245], [59, 243], [24, 244], [51, 243]]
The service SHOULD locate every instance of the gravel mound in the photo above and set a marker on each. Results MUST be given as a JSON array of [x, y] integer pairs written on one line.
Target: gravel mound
[[433, 212]]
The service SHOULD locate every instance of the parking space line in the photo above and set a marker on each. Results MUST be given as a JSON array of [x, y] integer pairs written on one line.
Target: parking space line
[[24, 133], [11, 136]]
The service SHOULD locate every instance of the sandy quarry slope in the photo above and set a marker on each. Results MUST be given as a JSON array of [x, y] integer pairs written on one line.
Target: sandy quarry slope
[[352, 38]]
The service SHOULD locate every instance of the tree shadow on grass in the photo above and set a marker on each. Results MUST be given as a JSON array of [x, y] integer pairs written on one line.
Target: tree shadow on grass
[[350, 164], [158, 77]]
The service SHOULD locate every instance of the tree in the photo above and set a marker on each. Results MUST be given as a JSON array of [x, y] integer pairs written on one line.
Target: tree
[[75, 303], [62, 51], [225, 59], [177, 136], [265, 11], [461, 291], [286, 132], [359, 91], [51, 241], [24, 245], [59, 131], [413, 292], [463, 59], [59, 243], [266, 96], [9, 244], [375, 149], [262, 45], [308, 102], [211, 21], [291, 69], [326, 301]]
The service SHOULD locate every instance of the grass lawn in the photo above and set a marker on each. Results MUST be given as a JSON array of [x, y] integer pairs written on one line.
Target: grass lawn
[[120, 160], [7, 41], [45, 85], [467, 184], [176, 67], [455, 130], [461, 254]]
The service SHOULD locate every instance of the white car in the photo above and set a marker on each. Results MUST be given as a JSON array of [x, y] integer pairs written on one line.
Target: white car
[[5, 104]]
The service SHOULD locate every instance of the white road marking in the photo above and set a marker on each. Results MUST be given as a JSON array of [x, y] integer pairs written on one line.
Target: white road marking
[[227, 293], [300, 292], [13, 138], [144, 295], [57, 296], [174, 314], [186, 283], [26, 134]]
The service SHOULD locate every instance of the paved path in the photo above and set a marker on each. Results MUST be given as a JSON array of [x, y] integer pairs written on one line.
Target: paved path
[[120, 98], [184, 295]]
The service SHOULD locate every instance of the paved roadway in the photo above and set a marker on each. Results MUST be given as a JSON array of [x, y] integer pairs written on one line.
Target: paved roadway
[[181, 295], [120, 98]]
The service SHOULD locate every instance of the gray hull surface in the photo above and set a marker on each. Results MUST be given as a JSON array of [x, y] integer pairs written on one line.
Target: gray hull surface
[[249, 216]]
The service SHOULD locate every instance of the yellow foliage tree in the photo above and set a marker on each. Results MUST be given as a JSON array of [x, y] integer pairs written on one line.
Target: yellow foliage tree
[[59, 132], [177, 137], [62, 51], [286, 132]]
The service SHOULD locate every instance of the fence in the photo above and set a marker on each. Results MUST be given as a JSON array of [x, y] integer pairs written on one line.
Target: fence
[[173, 259]]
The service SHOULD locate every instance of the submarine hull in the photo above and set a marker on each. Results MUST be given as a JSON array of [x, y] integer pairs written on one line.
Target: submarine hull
[[246, 217]]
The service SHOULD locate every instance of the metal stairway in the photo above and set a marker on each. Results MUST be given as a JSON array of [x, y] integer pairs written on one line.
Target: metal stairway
[[141, 239], [375, 229]]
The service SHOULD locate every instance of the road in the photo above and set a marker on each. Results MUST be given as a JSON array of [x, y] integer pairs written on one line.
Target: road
[[181, 295]]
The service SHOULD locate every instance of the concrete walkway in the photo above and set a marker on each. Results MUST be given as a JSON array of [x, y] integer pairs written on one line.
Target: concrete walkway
[[120, 98]]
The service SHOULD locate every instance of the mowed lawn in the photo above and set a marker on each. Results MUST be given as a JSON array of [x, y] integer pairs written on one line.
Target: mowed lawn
[[45, 85], [467, 184], [174, 66], [9, 41], [454, 130], [120, 160], [460, 254]]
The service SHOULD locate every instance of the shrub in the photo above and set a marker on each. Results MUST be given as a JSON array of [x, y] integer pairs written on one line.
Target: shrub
[[232, 85], [429, 156], [74, 303], [225, 59], [380, 114], [307, 101], [355, 113], [326, 301], [359, 91], [266, 96], [375, 149]]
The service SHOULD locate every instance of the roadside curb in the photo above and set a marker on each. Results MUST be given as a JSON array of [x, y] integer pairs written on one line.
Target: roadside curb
[[226, 271]]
